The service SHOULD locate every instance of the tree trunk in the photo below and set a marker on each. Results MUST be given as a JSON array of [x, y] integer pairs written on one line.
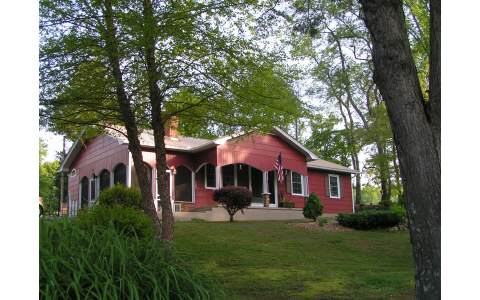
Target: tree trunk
[[231, 218], [156, 101], [384, 174], [396, 77], [128, 118]]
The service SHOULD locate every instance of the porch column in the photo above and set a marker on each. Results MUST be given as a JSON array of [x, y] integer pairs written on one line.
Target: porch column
[[193, 186], [111, 178], [218, 173], [265, 194]]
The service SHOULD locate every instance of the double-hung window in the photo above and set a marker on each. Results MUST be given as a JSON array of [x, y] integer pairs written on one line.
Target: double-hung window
[[297, 184], [210, 177], [334, 186]]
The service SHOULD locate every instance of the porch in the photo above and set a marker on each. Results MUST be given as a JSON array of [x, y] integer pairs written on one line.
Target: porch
[[219, 214]]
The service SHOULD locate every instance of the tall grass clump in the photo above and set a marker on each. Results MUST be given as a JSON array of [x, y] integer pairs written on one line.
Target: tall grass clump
[[103, 263]]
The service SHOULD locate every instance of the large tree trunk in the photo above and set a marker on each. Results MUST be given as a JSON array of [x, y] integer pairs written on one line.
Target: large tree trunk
[[157, 123], [416, 139], [128, 118]]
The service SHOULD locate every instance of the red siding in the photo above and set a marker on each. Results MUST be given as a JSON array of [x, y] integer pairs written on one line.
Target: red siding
[[261, 151], [317, 184], [101, 152]]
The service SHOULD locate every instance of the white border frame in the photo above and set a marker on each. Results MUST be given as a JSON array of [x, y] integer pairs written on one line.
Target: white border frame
[[302, 193], [338, 186], [205, 177]]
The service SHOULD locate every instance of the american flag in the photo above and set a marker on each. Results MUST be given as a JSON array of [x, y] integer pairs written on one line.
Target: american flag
[[279, 166]]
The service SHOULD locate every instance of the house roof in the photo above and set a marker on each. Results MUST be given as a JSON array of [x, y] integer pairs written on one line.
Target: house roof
[[321, 164], [194, 145], [180, 143]]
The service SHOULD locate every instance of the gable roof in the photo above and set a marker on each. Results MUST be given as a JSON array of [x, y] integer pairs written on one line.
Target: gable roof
[[294, 143]]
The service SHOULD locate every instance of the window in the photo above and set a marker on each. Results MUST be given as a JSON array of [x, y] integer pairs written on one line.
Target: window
[[297, 184], [104, 180], [228, 177], [93, 188], [183, 185], [334, 186], [120, 174], [84, 192], [210, 176]]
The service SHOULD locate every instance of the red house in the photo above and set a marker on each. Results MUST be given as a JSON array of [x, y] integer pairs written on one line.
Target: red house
[[198, 166]]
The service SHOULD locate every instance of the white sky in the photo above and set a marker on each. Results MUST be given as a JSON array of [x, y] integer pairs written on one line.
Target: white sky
[[54, 143]]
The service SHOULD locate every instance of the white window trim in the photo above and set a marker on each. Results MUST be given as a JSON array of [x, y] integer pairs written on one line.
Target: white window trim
[[301, 181], [330, 188], [205, 177]]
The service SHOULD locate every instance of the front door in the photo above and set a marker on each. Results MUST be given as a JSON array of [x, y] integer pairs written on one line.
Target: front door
[[272, 188]]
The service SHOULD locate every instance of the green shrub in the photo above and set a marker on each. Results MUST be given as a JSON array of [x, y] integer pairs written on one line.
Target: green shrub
[[101, 263], [233, 199], [126, 220], [122, 195], [322, 221], [313, 207], [370, 219]]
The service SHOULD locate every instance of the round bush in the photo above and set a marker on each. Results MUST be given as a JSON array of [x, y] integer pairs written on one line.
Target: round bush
[[313, 208], [370, 219], [126, 220], [233, 198], [120, 195]]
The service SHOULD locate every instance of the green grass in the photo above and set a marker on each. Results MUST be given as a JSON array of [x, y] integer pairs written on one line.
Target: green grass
[[274, 260]]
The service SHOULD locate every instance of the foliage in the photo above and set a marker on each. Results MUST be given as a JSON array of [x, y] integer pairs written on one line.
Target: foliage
[[321, 221], [120, 195], [370, 219], [313, 207], [126, 220], [102, 263], [327, 141], [261, 259], [211, 73], [47, 180], [233, 199]]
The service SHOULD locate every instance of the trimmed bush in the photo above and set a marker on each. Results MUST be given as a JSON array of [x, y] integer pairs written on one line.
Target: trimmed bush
[[126, 220], [101, 263], [370, 219], [120, 195], [233, 199], [313, 207]]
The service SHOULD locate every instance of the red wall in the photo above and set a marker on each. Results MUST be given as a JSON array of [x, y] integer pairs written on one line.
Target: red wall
[[261, 151], [317, 184], [101, 152]]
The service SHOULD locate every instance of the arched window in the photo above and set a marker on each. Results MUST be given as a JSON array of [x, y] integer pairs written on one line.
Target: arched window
[[120, 174], [183, 184], [104, 180], [84, 192]]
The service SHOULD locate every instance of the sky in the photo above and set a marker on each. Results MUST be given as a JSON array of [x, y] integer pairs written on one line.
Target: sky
[[54, 143]]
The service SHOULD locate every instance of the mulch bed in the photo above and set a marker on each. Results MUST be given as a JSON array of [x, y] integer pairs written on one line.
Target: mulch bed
[[332, 226]]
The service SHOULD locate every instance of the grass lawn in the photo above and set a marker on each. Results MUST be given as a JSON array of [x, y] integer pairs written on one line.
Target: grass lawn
[[274, 260]]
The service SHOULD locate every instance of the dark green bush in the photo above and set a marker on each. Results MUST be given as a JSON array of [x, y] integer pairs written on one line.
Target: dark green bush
[[233, 199], [313, 207], [101, 263], [126, 220], [370, 219], [122, 195]]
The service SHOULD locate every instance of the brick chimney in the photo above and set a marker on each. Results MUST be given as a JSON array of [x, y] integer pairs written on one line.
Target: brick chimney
[[171, 127]]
